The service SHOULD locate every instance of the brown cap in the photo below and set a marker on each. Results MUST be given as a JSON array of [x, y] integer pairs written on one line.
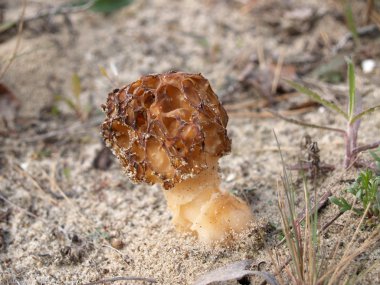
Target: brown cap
[[163, 127]]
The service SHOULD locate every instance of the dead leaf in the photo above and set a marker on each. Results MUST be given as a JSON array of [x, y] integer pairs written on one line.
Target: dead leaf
[[233, 271]]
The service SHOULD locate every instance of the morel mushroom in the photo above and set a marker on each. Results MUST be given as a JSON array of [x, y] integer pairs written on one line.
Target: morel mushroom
[[171, 129]]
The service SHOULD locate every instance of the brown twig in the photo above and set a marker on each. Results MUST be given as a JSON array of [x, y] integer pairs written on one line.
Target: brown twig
[[150, 280], [329, 223]]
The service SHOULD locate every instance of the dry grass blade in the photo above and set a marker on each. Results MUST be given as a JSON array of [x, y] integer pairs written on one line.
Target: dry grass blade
[[257, 103], [342, 264], [18, 41], [41, 191], [337, 270], [277, 72], [300, 123], [115, 279], [13, 205], [268, 114]]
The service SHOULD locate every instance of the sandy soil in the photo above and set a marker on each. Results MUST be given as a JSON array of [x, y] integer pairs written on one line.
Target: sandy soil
[[63, 221]]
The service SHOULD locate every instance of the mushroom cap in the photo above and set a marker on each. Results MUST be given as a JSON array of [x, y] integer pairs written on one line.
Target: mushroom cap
[[162, 127]]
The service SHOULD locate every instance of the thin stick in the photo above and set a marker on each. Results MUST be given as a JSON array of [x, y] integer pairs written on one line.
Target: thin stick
[[35, 183], [329, 223], [150, 280]]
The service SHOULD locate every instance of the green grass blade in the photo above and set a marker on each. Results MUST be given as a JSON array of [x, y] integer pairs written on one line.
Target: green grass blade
[[107, 6], [76, 85], [351, 84], [314, 96], [7, 26], [364, 113], [351, 24], [103, 71], [103, 6]]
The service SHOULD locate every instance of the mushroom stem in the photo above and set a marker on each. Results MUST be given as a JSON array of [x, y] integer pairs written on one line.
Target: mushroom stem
[[199, 206]]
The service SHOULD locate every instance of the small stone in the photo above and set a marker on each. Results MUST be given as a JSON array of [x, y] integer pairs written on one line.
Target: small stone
[[368, 65], [117, 243]]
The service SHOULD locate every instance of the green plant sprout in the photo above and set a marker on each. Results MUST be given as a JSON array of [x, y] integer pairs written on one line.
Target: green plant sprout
[[74, 103], [376, 157], [350, 22], [366, 190], [353, 116]]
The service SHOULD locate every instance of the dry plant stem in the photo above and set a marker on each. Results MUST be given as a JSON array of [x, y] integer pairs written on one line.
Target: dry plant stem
[[370, 5], [269, 114], [254, 103], [329, 223], [300, 123], [132, 278], [277, 72], [18, 41], [198, 205], [13, 205], [350, 254], [42, 193]]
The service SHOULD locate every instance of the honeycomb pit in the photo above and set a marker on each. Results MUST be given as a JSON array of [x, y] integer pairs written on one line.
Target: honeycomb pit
[[170, 129]]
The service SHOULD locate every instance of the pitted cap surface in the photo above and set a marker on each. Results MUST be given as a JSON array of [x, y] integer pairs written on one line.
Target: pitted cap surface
[[162, 127]]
